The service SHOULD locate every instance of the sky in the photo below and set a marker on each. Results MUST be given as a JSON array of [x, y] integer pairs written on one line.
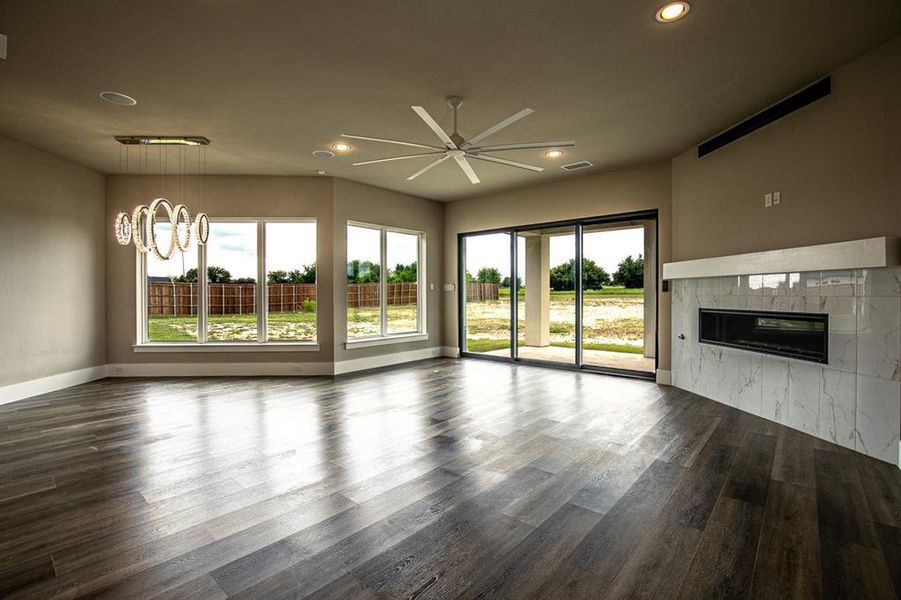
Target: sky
[[233, 246], [290, 246], [606, 248]]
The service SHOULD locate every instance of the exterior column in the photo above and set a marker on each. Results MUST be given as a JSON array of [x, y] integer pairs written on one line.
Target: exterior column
[[650, 286], [538, 291]]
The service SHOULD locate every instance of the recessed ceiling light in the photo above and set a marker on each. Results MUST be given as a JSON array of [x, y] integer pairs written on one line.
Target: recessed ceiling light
[[554, 153], [673, 12], [118, 99], [342, 147], [323, 154]]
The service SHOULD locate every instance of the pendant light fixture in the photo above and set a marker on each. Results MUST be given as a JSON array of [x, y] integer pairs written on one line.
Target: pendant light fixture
[[140, 226]]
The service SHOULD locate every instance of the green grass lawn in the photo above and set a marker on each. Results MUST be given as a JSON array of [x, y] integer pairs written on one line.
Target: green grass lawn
[[282, 326], [488, 345]]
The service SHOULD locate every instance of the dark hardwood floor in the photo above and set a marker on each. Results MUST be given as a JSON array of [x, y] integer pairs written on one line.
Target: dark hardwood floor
[[442, 479]]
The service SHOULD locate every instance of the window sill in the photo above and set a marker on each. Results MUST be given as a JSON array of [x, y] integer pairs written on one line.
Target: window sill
[[152, 347], [383, 341]]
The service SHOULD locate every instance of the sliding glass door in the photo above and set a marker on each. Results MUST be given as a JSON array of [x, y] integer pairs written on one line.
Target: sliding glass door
[[546, 302], [580, 294], [485, 290], [619, 295]]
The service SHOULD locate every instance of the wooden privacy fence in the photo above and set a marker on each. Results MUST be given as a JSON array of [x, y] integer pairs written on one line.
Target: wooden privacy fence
[[367, 294], [481, 291], [180, 299]]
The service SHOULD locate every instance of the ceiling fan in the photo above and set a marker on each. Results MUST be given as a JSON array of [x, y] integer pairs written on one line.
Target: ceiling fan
[[459, 148]]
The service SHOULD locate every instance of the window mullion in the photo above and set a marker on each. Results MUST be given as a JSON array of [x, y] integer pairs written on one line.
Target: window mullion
[[202, 295], [262, 295], [143, 303], [383, 283]]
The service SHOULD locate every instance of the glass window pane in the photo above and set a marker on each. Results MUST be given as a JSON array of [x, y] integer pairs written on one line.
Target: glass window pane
[[172, 293], [615, 304], [363, 278], [547, 306], [291, 281], [232, 287], [487, 293], [403, 277]]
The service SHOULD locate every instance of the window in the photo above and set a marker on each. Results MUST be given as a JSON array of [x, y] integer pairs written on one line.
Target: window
[[172, 295], [231, 259], [384, 282], [291, 281], [214, 293]]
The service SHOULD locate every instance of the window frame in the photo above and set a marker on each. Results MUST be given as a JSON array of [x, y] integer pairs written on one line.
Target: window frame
[[262, 343], [384, 337]]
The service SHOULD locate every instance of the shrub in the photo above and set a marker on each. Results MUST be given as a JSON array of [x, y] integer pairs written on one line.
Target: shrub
[[308, 306]]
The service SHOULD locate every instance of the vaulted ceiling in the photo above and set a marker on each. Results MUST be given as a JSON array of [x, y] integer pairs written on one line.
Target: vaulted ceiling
[[269, 82]]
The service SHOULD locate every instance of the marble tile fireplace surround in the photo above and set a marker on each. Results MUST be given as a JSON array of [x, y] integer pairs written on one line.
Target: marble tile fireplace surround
[[854, 400]]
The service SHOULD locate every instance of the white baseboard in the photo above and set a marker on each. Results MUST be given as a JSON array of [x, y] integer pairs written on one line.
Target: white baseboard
[[51, 383], [385, 360], [217, 369], [664, 377], [450, 351]]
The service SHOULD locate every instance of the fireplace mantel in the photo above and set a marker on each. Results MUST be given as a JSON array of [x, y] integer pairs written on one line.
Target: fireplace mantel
[[870, 253]]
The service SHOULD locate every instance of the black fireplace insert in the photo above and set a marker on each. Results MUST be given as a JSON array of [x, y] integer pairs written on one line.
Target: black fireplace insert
[[804, 336]]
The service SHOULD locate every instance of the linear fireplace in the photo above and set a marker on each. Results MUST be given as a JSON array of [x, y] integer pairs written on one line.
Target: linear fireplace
[[804, 336]]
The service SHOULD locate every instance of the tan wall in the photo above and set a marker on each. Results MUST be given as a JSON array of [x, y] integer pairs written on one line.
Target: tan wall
[[223, 196], [367, 204], [836, 162], [52, 299], [639, 188]]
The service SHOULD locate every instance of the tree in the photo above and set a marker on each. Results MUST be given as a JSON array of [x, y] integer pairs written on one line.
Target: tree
[[307, 275], [244, 280], [505, 282], [470, 278], [362, 272], [594, 277], [213, 275], [403, 273], [488, 275], [218, 275], [278, 277], [563, 276], [630, 272]]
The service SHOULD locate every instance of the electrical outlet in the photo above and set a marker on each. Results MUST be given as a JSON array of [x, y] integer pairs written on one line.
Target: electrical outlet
[[449, 287], [777, 198], [768, 200]]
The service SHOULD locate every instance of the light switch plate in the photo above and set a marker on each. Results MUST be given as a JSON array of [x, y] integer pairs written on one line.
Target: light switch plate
[[3, 46], [768, 199]]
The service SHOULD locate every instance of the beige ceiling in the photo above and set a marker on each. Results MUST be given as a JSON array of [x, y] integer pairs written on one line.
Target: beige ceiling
[[269, 82]]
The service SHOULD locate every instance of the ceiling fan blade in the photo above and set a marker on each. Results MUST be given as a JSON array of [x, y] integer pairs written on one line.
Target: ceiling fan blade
[[372, 139], [392, 158], [495, 128], [433, 125], [427, 167], [561, 144], [467, 168], [504, 161]]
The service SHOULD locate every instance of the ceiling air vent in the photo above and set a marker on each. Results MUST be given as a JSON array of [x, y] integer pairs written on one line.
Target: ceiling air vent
[[582, 164]]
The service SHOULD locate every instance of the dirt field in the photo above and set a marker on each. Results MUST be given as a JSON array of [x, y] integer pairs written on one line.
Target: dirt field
[[611, 321]]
